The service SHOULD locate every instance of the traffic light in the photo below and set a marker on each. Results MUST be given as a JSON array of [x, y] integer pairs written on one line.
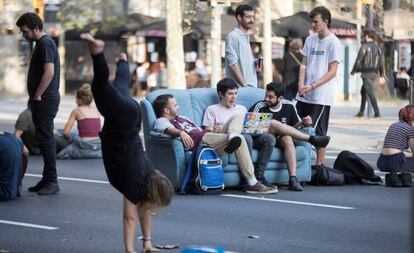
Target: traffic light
[[39, 8]]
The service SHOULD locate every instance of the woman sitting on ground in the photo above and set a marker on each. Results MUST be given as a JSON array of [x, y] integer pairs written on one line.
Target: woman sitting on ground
[[87, 144], [394, 157]]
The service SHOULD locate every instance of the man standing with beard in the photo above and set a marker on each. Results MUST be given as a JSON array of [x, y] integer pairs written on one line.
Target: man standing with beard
[[284, 112], [44, 98], [240, 63]]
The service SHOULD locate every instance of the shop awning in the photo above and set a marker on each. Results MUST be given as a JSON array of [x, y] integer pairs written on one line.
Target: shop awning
[[299, 26], [399, 24]]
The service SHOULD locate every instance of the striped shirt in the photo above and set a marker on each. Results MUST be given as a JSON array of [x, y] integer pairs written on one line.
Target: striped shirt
[[398, 135]]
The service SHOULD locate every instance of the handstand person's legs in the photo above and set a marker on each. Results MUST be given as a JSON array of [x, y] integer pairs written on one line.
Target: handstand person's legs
[[122, 75], [120, 112]]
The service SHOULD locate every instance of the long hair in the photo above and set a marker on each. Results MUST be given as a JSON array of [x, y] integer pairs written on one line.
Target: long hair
[[159, 191]]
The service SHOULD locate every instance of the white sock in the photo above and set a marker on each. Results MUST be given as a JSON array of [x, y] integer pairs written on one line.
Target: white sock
[[232, 135], [252, 181]]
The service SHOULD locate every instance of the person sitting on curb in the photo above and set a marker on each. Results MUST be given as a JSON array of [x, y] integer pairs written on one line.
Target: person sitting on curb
[[228, 140], [393, 157], [13, 164], [24, 130], [87, 144], [285, 112], [217, 116]]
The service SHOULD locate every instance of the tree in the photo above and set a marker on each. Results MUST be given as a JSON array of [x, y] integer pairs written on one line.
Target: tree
[[78, 13], [175, 48]]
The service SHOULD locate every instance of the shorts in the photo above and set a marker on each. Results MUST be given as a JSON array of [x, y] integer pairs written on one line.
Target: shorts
[[318, 113]]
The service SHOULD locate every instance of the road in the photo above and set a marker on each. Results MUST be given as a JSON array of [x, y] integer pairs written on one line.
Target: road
[[86, 215]]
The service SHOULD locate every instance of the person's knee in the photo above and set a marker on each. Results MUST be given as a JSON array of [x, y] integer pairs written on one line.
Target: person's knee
[[269, 140]]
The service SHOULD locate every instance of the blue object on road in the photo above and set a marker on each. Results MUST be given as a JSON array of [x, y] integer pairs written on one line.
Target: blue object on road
[[203, 249]]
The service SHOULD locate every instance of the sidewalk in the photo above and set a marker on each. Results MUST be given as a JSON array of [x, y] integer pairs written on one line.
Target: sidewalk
[[347, 132]]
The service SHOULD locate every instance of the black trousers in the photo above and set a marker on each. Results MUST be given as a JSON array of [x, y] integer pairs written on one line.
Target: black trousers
[[114, 102], [367, 89], [126, 164], [43, 114]]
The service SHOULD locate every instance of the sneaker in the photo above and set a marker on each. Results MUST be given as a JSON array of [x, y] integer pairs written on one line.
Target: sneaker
[[37, 187], [376, 117], [49, 189], [234, 143], [393, 180], [294, 185], [406, 179], [267, 183], [359, 115], [319, 141], [260, 188]]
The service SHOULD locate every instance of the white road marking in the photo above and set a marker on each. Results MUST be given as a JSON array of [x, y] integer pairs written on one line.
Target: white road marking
[[72, 179], [330, 157], [289, 201], [30, 225], [354, 151]]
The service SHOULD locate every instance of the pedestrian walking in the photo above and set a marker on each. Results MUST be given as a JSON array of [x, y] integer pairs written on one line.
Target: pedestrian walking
[[240, 62], [126, 165], [316, 86], [370, 62], [44, 97]]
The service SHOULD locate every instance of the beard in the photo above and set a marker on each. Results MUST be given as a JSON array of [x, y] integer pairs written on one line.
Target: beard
[[270, 104]]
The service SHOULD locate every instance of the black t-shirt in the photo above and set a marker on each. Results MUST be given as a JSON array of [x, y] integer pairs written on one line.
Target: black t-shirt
[[45, 51], [286, 114]]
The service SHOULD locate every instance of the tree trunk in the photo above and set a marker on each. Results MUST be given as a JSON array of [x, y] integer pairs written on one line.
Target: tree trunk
[[379, 22], [175, 48]]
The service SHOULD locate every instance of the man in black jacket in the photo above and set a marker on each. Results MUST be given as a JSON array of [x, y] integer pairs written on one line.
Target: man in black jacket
[[370, 63]]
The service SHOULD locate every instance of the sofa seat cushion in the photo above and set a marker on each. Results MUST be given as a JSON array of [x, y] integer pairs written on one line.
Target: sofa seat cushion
[[277, 158]]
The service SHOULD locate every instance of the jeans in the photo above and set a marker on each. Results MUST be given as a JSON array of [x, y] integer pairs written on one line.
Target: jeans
[[264, 144], [367, 89], [43, 113]]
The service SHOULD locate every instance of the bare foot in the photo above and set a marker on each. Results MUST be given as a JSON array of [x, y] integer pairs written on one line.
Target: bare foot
[[95, 46], [150, 249], [121, 56]]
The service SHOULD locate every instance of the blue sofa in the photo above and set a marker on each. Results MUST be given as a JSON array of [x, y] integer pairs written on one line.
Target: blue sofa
[[169, 156]]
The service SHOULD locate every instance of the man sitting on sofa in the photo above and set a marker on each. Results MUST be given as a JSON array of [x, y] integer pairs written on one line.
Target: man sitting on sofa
[[216, 117], [228, 140], [284, 112]]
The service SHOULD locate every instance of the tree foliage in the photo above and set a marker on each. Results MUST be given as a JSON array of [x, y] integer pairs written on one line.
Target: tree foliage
[[79, 13]]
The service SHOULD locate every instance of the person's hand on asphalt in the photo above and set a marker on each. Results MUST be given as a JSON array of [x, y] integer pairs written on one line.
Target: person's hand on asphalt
[[188, 142]]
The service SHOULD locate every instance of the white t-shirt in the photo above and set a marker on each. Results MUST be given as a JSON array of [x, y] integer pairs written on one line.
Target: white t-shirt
[[220, 114], [319, 53]]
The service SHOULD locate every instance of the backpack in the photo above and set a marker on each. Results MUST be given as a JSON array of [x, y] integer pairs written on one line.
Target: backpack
[[355, 169], [324, 175], [204, 173]]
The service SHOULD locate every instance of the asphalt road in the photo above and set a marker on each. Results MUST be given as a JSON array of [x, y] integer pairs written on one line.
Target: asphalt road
[[86, 217]]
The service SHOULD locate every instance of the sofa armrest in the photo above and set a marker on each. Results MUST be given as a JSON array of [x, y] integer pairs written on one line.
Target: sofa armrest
[[168, 155]]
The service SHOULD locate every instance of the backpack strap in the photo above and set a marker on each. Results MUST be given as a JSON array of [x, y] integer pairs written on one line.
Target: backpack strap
[[188, 170]]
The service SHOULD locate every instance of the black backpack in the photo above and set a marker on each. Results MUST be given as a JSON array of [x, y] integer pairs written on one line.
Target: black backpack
[[356, 170], [324, 175]]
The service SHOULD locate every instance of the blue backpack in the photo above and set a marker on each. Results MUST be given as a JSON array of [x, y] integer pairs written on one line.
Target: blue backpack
[[204, 173]]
